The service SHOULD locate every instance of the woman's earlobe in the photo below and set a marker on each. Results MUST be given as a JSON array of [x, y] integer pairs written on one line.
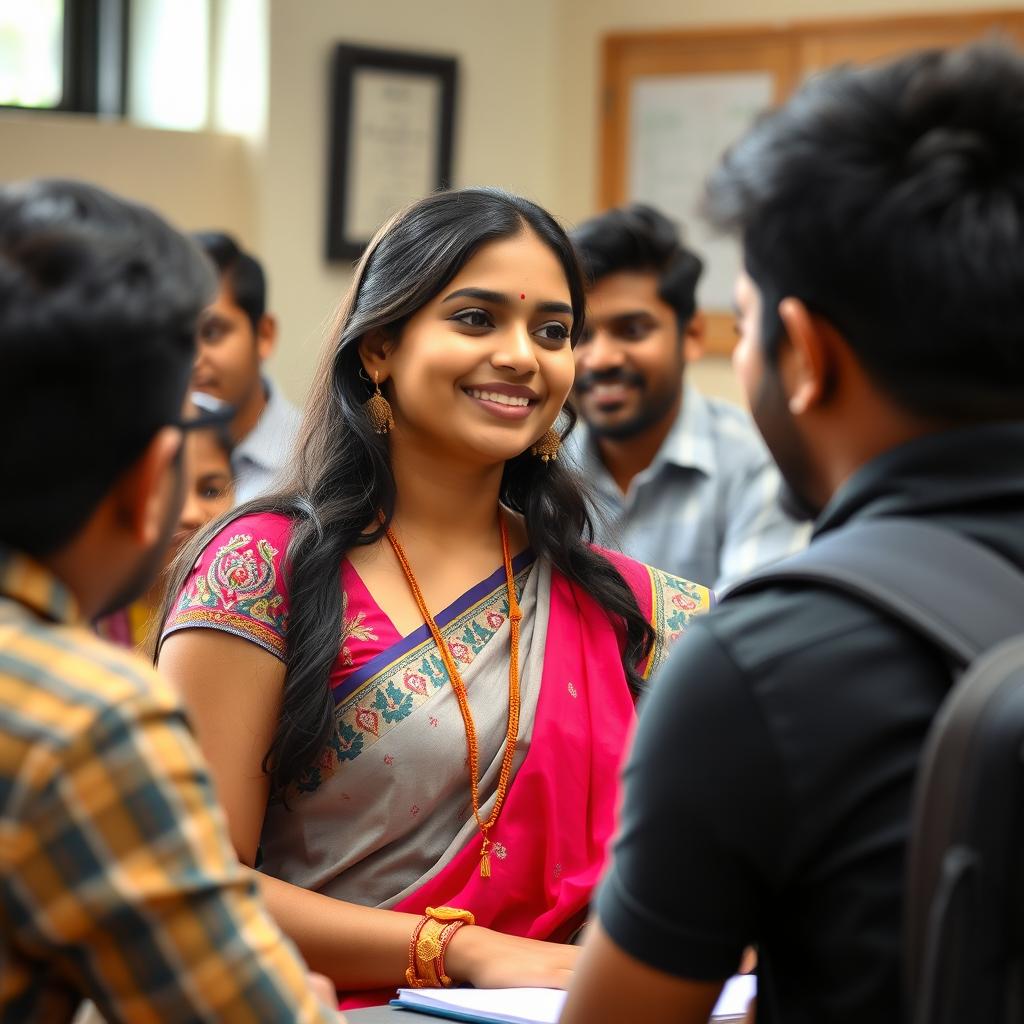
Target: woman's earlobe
[[374, 352]]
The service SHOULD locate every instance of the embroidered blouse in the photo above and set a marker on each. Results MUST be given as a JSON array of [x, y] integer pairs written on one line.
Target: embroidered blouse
[[238, 586]]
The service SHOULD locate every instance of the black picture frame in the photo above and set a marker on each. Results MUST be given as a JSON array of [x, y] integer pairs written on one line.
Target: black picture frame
[[347, 60]]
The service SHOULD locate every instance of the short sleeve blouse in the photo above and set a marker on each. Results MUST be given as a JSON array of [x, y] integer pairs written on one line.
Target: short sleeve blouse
[[240, 583]]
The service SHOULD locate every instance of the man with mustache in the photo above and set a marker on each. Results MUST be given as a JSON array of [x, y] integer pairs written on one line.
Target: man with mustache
[[683, 480]]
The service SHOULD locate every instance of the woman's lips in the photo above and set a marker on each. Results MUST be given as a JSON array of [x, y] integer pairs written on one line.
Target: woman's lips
[[504, 406]]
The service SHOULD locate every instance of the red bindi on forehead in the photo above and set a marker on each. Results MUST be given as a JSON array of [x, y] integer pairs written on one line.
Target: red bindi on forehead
[[523, 295]]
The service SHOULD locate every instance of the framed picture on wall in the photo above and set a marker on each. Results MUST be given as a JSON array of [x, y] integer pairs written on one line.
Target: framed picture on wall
[[391, 135]]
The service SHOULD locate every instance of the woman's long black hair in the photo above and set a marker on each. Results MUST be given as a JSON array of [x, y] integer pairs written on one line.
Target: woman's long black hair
[[342, 471]]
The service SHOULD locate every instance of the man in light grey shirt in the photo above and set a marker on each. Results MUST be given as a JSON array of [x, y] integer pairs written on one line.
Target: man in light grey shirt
[[683, 482], [236, 335]]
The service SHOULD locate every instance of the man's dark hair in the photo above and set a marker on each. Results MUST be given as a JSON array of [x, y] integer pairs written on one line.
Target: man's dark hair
[[98, 305], [890, 200], [639, 238], [241, 272]]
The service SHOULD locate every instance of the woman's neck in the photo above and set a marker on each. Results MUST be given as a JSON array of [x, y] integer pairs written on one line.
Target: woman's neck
[[439, 501]]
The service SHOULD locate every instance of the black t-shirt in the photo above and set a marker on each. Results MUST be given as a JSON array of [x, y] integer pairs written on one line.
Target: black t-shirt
[[768, 791]]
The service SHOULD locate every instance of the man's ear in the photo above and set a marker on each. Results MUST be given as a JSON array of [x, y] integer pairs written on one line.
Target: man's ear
[[266, 336], [807, 363], [695, 337], [143, 492], [375, 352]]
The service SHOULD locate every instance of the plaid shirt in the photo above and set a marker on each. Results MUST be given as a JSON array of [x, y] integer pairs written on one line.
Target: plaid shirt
[[117, 878]]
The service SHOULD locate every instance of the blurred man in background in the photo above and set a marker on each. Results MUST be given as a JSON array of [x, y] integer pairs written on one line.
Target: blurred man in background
[[235, 338], [684, 482]]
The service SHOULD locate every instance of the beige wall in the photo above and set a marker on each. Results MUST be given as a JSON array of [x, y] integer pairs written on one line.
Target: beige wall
[[527, 119], [504, 132], [197, 179], [582, 24], [586, 22]]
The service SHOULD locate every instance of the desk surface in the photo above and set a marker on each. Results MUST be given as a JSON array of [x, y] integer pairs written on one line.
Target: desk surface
[[389, 1015]]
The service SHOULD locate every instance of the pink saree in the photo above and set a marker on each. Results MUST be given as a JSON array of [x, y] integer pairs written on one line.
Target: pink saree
[[383, 818]]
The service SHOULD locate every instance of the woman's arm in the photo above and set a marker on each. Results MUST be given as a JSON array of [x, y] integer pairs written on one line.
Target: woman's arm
[[232, 691]]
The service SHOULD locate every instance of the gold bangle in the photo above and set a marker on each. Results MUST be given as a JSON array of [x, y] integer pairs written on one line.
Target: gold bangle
[[430, 943]]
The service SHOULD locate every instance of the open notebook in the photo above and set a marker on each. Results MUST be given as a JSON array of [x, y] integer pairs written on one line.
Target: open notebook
[[537, 1005]]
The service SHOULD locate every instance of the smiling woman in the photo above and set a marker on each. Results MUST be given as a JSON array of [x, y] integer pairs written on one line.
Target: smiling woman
[[412, 674]]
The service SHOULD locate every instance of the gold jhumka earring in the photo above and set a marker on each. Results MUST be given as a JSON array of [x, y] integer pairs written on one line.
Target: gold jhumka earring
[[546, 447], [378, 409]]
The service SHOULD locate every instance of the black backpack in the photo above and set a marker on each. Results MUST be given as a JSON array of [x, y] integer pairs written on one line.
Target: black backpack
[[964, 908]]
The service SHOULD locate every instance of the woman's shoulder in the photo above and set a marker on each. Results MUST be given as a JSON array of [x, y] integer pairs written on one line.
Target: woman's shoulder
[[667, 601], [238, 585], [274, 528], [649, 583]]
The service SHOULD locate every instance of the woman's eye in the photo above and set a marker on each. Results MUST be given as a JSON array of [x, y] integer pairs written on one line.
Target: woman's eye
[[473, 318], [211, 491], [554, 331]]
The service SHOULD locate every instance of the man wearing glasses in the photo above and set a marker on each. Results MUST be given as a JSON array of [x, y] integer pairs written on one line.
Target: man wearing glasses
[[118, 881]]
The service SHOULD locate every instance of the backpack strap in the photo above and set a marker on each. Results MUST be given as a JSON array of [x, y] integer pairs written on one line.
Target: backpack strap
[[954, 591]]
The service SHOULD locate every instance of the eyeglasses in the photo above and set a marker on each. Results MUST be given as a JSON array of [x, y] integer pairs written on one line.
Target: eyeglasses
[[212, 413]]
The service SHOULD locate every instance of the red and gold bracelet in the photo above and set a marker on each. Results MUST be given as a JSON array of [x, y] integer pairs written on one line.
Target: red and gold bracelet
[[429, 943]]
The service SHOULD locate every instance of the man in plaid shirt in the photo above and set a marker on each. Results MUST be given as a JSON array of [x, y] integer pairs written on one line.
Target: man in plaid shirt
[[118, 882]]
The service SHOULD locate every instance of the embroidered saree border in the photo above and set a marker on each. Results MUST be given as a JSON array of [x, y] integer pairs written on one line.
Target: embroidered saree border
[[482, 591], [407, 682], [674, 602]]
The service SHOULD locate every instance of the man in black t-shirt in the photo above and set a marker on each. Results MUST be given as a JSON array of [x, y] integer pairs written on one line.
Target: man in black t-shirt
[[881, 318]]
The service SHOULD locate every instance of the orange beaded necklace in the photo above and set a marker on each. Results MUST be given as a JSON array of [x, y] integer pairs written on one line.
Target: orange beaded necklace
[[515, 617]]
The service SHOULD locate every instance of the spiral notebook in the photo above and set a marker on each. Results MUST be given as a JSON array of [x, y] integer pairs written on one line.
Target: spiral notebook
[[537, 1005]]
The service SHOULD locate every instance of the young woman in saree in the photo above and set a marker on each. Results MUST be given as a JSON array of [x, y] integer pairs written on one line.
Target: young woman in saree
[[411, 674]]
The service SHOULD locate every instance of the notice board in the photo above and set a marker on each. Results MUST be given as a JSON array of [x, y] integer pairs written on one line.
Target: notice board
[[674, 100]]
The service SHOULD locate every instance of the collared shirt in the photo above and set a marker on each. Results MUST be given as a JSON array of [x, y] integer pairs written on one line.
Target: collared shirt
[[261, 454], [118, 882], [768, 794], [706, 508]]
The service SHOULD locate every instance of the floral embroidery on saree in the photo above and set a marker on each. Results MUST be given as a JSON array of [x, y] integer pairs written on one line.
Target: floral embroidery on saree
[[391, 695], [238, 593], [674, 602], [352, 629]]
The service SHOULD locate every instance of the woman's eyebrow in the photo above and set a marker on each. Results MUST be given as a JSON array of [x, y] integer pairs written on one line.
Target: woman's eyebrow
[[481, 294], [500, 299]]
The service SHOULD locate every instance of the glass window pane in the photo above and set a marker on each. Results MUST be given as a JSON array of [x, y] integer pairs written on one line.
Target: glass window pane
[[31, 52], [169, 67]]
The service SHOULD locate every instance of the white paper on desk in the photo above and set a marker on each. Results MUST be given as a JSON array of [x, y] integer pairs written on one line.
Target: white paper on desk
[[542, 1005], [738, 991], [501, 1005]]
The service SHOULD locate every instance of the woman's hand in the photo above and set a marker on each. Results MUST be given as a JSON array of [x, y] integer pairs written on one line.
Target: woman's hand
[[323, 988], [489, 959]]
